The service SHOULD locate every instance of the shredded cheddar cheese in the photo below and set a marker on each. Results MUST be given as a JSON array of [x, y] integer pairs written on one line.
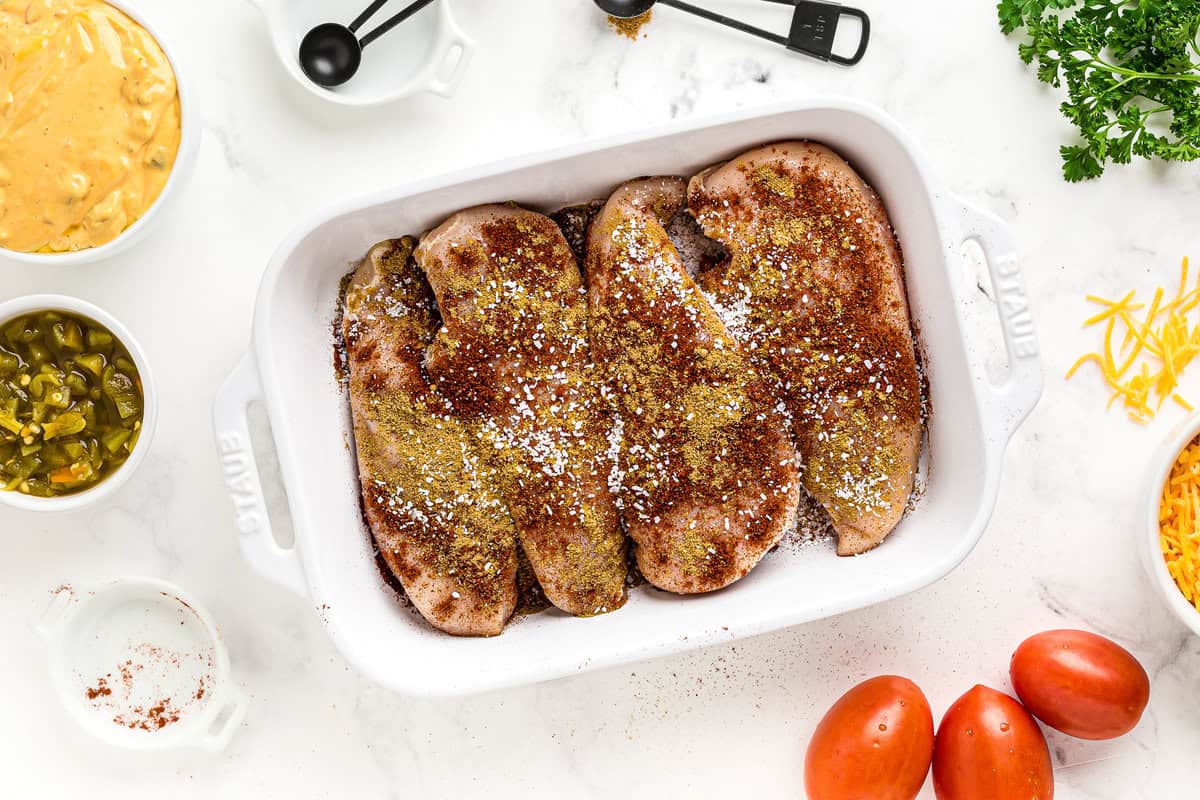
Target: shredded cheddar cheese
[[1179, 522], [1155, 347]]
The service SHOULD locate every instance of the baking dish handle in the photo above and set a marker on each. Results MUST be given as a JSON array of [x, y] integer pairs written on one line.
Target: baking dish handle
[[234, 448], [1009, 402]]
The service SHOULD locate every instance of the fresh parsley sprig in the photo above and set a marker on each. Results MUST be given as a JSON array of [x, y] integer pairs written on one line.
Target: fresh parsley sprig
[[1131, 70]]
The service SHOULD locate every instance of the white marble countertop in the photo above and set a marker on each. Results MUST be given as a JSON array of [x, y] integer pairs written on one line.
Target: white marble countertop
[[728, 720]]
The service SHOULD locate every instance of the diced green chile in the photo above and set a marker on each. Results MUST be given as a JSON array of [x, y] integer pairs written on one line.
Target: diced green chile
[[66, 336], [122, 391], [92, 362], [99, 339], [115, 439], [9, 363], [70, 404]]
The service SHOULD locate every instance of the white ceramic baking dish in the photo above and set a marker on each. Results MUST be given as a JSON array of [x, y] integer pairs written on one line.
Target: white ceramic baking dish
[[331, 564]]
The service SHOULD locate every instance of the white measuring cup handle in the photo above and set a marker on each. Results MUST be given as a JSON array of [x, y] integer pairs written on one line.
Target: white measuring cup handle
[[1008, 402], [452, 43], [236, 453], [54, 612], [225, 724]]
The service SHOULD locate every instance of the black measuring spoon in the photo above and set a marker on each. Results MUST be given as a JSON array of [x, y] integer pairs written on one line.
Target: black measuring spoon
[[331, 53], [813, 25]]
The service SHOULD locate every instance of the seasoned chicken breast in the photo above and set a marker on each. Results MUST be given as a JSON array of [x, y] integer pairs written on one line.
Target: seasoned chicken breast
[[513, 357], [814, 291], [439, 525], [707, 476]]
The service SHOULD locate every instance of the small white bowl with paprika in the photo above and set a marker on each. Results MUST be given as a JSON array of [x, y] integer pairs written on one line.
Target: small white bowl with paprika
[[98, 131], [139, 664]]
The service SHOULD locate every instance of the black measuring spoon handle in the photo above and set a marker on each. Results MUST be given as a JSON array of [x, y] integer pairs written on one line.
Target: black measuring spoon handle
[[367, 13], [815, 24], [864, 40], [387, 25], [728, 22]]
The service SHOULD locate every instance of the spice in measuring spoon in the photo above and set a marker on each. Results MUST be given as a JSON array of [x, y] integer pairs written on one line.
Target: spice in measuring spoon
[[630, 27], [71, 404]]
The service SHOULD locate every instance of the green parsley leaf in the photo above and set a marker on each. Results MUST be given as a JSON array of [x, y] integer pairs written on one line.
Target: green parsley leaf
[[1131, 69], [1079, 163]]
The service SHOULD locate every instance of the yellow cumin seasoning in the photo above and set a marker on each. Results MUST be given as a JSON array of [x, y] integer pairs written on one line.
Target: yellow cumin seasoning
[[630, 27]]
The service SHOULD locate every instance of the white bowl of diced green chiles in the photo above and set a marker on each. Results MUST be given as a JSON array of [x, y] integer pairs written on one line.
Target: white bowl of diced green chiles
[[77, 403]]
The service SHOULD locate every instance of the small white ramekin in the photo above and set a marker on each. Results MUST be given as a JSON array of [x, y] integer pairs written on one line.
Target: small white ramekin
[[167, 642], [1151, 549], [385, 76], [72, 502], [185, 160]]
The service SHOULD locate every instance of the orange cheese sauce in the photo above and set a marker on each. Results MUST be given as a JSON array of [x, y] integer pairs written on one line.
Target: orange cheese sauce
[[89, 123]]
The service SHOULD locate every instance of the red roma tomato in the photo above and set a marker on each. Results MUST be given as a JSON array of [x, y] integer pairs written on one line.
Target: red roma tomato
[[989, 748], [1080, 683], [875, 743]]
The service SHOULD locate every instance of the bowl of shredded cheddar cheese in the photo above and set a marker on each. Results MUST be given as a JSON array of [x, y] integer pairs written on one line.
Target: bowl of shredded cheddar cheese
[[95, 129], [1171, 541]]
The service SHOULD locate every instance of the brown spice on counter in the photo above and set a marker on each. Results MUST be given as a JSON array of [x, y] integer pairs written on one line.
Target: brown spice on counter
[[99, 690], [630, 27]]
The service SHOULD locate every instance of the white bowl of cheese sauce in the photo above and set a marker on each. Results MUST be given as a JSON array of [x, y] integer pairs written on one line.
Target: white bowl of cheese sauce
[[97, 129]]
